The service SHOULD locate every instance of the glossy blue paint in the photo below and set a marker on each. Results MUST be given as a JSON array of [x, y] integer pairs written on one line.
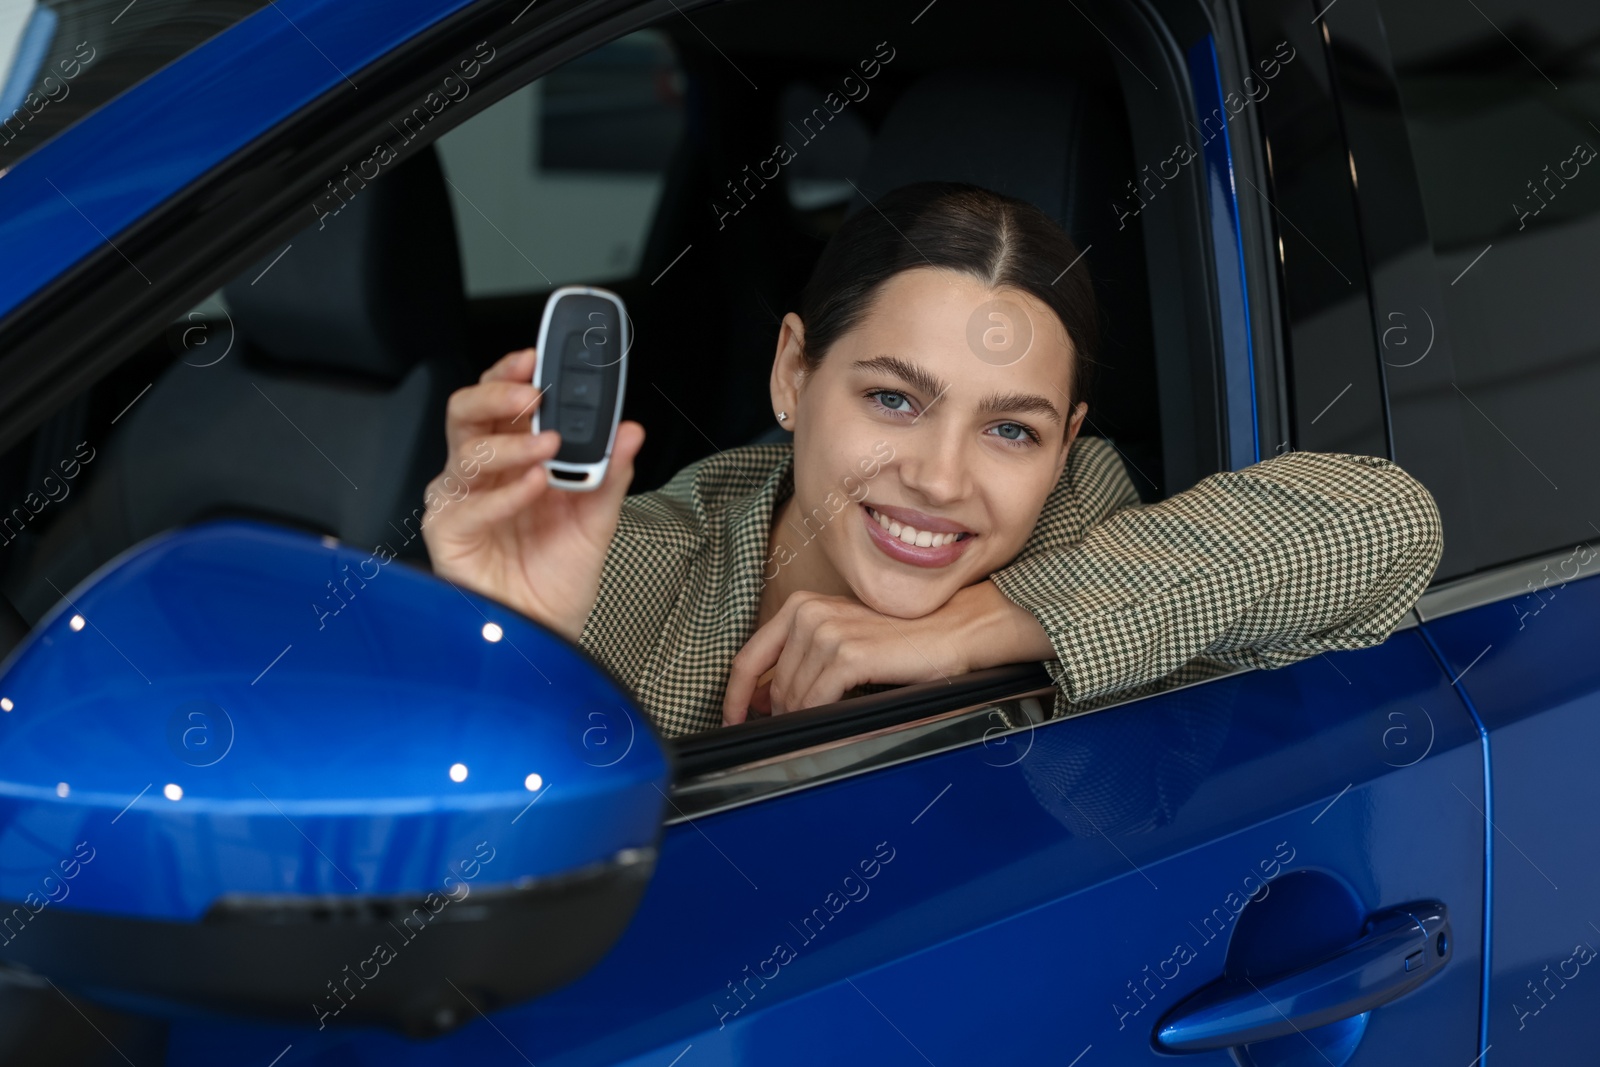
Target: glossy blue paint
[[309, 702], [103, 174], [1488, 846], [1233, 298], [1528, 664], [1025, 898]]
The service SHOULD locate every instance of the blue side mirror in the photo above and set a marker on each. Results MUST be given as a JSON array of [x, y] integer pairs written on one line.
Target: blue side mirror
[[243, 769]]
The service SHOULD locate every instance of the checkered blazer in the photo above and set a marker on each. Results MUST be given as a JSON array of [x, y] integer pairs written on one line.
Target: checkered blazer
[[1303, 553]]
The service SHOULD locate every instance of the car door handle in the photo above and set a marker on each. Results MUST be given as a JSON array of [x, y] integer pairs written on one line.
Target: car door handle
[[1401, 949]]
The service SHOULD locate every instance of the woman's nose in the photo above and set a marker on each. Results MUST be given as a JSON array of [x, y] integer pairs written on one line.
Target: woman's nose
[[937, 464]]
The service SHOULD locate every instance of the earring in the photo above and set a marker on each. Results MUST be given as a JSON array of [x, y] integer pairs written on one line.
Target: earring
[[783, 416]]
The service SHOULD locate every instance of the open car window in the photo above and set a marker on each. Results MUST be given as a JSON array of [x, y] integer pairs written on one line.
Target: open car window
[[309, 389]]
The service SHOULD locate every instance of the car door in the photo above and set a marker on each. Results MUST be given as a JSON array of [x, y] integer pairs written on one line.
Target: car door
[[1483, 220], [1029, 892]]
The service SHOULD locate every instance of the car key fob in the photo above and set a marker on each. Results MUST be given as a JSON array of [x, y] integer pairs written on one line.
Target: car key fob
[[580, 371]]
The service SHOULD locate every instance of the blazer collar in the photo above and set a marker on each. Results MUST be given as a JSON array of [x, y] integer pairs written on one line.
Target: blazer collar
[[769, 470]]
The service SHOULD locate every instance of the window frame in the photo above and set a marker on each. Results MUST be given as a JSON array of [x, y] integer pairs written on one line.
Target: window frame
[[719, 770], [1180, 257], [1316, 351]]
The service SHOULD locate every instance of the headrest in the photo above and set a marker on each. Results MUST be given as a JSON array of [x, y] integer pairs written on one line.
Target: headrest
[[1010, 131], [373, 287]]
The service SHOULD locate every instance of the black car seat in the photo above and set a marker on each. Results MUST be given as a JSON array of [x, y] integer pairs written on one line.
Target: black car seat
[[327, 412], [1042, 137]]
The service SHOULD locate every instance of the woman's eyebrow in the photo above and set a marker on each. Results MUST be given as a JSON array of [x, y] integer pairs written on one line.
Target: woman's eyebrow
[[925, 382], [908, 372], [1013, 403]]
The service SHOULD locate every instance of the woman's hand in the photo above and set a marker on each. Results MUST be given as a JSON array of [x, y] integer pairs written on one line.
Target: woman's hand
[[511, 536], [818, 648]]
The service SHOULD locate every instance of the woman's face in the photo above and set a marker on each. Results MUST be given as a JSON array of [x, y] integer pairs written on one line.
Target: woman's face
[[940, 424]]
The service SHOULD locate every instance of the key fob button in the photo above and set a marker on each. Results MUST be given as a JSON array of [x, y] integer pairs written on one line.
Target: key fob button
[[584, 350], [576, 424], [580, 388]]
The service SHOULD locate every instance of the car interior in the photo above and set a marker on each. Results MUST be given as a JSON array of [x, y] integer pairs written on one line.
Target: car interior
[[309, 389]]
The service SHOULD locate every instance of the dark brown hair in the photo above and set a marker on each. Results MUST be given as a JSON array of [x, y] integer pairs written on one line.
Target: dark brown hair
[[1001, 241]]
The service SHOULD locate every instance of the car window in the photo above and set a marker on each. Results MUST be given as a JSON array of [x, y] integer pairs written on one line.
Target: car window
[[61, 59], [559, 182], [1500, 102], [309, 390]]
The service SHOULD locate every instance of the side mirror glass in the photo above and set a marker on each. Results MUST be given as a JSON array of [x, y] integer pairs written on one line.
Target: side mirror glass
[[248, 770]]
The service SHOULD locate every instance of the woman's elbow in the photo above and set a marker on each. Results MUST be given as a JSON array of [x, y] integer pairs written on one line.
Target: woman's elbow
[[1402, 512], [1415, 520], [1407, 535]]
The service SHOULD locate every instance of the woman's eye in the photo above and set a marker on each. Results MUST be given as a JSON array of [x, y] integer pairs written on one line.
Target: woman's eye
[[1016, 433], [891, 400]]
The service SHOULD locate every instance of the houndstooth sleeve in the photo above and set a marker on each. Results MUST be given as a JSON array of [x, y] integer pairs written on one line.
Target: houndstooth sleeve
[[1303, 553], [647, 567]]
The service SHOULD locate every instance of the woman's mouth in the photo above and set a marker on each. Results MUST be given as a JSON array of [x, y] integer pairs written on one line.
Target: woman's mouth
[[908, 544]]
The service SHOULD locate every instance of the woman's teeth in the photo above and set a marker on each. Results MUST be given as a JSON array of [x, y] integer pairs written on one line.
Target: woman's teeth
[[912, 536]]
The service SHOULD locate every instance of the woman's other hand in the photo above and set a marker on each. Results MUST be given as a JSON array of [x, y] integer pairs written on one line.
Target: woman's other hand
[[512, 536], [818, 648]]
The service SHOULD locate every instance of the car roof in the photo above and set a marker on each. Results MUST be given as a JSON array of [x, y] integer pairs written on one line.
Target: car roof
[[100, 176]]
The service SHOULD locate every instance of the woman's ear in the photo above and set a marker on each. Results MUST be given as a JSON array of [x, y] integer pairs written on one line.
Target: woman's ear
[[788, 368], [1074, 423]]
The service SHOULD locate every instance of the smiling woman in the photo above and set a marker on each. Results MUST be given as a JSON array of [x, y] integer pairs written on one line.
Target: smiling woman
[[979, 437], [953, 325]]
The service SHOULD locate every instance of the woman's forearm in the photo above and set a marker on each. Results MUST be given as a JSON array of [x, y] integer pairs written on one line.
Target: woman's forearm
[[1305, 553], [990, 629]]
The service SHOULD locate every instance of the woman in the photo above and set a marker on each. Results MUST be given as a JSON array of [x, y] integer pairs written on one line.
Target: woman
[[936, 512]]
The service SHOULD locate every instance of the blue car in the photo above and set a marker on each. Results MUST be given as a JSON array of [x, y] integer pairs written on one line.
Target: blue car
[[271, 793]]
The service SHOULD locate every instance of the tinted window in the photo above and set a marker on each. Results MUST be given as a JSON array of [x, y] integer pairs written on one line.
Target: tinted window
[[559, 182], [1500, 101], [617, 109], [61, 59]]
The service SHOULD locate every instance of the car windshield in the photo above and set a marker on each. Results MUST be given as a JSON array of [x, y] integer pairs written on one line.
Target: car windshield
[[62, 59]]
